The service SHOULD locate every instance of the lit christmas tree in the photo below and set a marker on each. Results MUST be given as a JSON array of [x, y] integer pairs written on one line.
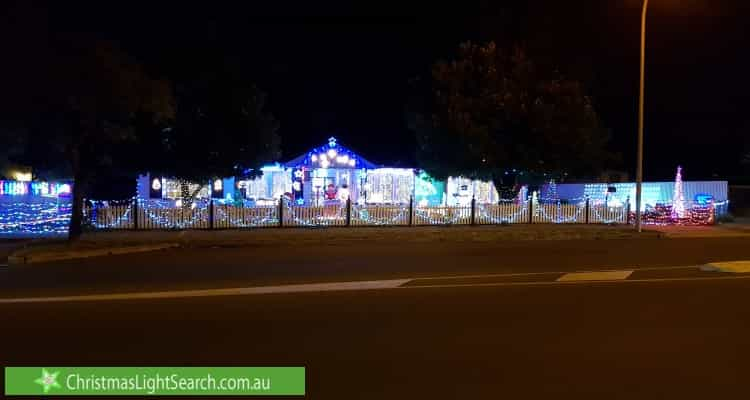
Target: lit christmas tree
[[678, 200]]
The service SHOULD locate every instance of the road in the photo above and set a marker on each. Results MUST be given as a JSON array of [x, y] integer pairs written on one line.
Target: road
[[289, 263], [664, 333]]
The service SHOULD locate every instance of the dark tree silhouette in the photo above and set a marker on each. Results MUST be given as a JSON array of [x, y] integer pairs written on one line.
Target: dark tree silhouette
[[489, 111], [69, 118], [221, 129]]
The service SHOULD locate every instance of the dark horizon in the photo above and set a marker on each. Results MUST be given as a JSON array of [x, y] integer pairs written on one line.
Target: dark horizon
[[348, 76]]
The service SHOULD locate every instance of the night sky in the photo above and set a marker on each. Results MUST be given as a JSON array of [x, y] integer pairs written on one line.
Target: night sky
[[347, 75]]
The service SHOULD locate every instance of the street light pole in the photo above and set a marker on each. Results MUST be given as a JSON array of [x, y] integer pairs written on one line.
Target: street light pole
[[639, 168]]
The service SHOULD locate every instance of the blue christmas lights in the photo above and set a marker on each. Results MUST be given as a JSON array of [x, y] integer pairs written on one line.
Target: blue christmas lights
[[41, 217]]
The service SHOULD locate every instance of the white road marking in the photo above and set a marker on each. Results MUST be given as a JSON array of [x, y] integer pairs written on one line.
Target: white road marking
[[576, 278], [595, 276], [515, 274], [737, 267], [301, 288], [581, 283]]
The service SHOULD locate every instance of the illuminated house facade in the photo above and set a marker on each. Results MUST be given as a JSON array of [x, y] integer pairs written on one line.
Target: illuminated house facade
[[332, 173], [328, 174]]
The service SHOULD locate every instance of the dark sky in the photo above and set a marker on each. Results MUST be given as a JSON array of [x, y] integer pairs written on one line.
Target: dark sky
[[348, 75]]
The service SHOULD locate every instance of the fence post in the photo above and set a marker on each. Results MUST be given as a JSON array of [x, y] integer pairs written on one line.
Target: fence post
[[135, 213], [473, 210], [588, 209], [411, 210], [531, 210], [348, 211], [281, 211], [627, 212], [211, 213]]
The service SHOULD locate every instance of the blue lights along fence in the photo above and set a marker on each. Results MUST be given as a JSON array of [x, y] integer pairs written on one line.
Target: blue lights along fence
[[206, 214], [40, 216], [33, 216]]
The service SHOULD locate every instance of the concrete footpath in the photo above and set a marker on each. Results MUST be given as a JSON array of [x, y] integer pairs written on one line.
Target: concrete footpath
[[96, 244]]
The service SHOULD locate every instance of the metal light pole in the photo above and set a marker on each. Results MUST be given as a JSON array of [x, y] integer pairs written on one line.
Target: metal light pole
[[639, 168]]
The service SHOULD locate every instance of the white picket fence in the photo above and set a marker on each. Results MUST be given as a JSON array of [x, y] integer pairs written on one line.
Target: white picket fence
[[158, 214], [559, 213], [327, 215], [379, 215], [508, 212], [457, 215], [232, 216]]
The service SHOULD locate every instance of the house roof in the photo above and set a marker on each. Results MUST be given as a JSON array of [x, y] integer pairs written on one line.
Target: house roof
[[331, 155]]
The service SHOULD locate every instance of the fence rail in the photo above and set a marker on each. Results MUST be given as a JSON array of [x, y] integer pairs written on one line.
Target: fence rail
[[159, 214]]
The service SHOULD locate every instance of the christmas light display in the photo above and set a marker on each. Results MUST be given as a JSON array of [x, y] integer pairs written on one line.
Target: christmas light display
[[523, 195], [678, 201], [267, 217], [330, 155], [559, 214], [426, 190], [608, 214], [123, 221], [314, 216], [506, 212], [552, 196], [14, 188], [380, 196], [43, 216], [374, 215], [442, 215], [664, 214]]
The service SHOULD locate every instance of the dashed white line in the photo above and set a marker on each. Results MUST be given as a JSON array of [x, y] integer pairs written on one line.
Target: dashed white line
[[595, 276]]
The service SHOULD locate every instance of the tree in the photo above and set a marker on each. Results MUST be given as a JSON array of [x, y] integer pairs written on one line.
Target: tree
[[221, 129], [71, 118], [489, 111]]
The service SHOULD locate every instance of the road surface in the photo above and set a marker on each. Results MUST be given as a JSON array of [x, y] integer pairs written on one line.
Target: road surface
[[657, 330]]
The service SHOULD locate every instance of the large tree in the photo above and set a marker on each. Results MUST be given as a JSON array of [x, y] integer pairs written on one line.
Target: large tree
[[70, 115], [489, 111], [221, 128]]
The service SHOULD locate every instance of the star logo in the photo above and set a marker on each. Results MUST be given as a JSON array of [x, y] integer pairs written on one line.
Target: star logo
[[48, 380]]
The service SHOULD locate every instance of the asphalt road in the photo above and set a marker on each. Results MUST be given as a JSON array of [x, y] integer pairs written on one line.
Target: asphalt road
[[288, 264], [640, 340], [662, 338]]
